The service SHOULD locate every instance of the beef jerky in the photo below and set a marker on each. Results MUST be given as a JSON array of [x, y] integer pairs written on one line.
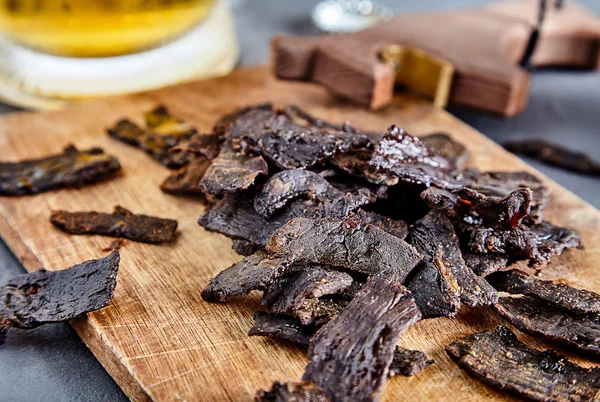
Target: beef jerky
[[205, 145], [163, 133], [292, 392], [555, 155], [187, 179], [355, 185], [537, 244], [344, 243], [395, 227], [121, 223], [499, 359], [43, 297], [349, 357], [435, 238], [476, 208], [408, 362], [537, 317], [244, 247], [452, 150], [485, 264], [355, 162], [226, 122], [255, 272], [252, 121], [72, 168], [232, 172], [298, 293], [290, 145], [288, 185], [558, 294], [281, 327], [236, 217], [115, 245]]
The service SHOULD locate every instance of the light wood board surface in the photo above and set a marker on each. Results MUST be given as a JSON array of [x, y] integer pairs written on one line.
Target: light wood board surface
[[159, 339]]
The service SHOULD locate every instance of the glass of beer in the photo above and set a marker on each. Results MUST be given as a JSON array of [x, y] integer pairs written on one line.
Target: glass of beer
[[56, 51]]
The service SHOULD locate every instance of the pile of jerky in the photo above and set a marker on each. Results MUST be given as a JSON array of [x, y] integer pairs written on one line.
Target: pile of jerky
[[353, 237]]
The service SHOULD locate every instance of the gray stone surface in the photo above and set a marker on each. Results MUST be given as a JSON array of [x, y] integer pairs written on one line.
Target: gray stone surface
[[51, 363]]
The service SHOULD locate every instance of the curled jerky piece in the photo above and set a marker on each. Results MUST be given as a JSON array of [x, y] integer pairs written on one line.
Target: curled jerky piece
[[499, 359], [435, 238], [485, 264], [298, 293], [72, 168], [292, 392], [581, 331], [163, 133], [344, 243], [350, 356], [408, 362], [288, 185], [452, 150], [121, 223], [281, 327], [187, 179], [560, 295], [205, 145], [255, 272], [43, 297]]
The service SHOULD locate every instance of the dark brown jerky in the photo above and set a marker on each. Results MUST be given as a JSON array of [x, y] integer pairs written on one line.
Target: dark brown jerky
[[499, 359], [205, 145], [555, 155], [288, 185], [72, 168], [350, 356], [434, 237], [225, 123], [115, 245], [537, 243], [163, 133], [395, 227], [43, 297], [244, 247], [408, 362], [485, 264], [255, 272], [344, 243], [281, 327], [292, 392], [537, 317], [187, 179], [355, 162], [121, 223], [560, 295], [355, 185], [232, 172], [474, 208], [298, 293], [452, 150]]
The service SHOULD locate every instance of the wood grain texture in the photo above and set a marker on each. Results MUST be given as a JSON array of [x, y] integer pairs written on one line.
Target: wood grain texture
[[159, 339]]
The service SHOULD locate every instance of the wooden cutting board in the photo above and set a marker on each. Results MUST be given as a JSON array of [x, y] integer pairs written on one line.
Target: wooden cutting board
[[158, 339]]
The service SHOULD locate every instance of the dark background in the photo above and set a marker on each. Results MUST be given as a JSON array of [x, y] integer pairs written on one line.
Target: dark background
[[51, 363]]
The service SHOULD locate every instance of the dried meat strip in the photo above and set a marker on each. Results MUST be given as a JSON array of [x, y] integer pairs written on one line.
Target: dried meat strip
[[292, 392], [72, 168], [499, 359], [452, 150], [298, 293], [485, 264], [244, 247], [560, 295], [395, 227], [163, 133], [43, 297], [187, 179], [580, 331], [408, 362], [120, 223], [255, 272], [288, 185], [344, 243], [434, 237], [555, 155], [476, 208], [205, 145], [281, 327], [350, 356]]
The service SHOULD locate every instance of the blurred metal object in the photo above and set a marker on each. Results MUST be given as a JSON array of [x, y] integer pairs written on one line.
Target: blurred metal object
[[341, 16], [421, 71]]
